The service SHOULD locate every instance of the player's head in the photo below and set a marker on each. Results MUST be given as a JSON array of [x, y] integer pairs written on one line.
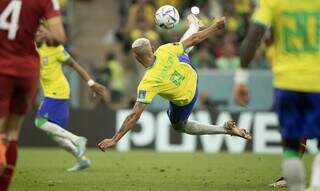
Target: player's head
[[142, 50]]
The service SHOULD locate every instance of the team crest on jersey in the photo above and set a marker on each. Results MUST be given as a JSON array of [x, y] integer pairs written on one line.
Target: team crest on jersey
[[142, 94], [45, 59]]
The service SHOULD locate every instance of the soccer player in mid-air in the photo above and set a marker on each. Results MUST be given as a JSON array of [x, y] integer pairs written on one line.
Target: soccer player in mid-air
[[53, 113], [19, 69], [296, 72], [169, 74]]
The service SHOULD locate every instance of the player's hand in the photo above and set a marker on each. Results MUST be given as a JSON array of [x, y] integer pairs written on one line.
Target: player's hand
[[106, 143], [241, 94], [100, 90]]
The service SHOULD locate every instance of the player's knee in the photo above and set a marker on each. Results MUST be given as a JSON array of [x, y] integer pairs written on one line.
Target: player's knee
[[39, 121], [179, 126], [291, 144]]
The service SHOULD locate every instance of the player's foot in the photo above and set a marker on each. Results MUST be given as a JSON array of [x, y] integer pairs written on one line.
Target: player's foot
[[279, 183], [81, 146], [3, 150], [232, 129], [80, 165], [194, 19]]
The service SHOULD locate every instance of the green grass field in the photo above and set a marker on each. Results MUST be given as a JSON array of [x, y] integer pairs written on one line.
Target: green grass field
[[44, 169]]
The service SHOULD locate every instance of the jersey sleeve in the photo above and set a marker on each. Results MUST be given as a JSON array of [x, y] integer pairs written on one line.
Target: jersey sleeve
[[63, 55], [146, 92], [51, 8], [263, 13]]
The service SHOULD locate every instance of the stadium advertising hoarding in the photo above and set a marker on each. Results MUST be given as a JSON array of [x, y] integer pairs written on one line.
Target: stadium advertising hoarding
[[153, 131]]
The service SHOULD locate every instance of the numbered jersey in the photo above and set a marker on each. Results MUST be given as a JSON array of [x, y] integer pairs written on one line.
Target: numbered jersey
[[296, 27], [173, 80], [19, 20]]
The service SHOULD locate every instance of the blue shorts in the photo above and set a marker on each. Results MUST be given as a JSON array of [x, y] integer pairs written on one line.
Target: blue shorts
[[178, 114], [55, 111], [298, 113]]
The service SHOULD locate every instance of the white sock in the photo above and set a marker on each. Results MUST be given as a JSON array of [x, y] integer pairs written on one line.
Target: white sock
[[68, 146], [293, 171], [56, 130], [193, 28], [197, 128], [315, 176]]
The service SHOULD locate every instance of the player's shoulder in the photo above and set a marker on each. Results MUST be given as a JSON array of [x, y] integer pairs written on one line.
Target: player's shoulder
[[268, 3], [169, 46]]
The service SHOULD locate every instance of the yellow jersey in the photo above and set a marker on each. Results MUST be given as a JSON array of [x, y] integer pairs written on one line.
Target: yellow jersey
[[296, 27], [53, 81], [173, 80]]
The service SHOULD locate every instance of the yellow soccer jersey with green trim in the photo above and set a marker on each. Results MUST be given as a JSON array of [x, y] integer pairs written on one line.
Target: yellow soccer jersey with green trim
[[296, 27], [173, 80], [53, 81]]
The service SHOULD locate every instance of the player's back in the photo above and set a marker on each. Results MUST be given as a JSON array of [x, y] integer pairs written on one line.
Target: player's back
[[173, 80], [296, 27], [19, 20]]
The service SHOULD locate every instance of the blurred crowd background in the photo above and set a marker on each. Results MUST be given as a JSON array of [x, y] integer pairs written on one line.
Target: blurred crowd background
[[106, 54]]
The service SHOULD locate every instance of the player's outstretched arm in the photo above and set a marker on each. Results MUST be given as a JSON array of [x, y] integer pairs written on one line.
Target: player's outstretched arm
[[247, 51], [94, 86], [126, 126], [200, 36]]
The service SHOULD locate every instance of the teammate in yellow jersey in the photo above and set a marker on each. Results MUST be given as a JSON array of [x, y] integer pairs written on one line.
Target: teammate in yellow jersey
[[53, 113], [296, 70], [169, 73]]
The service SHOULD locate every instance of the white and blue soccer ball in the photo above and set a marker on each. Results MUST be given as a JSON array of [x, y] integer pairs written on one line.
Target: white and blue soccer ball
[[167, 17]]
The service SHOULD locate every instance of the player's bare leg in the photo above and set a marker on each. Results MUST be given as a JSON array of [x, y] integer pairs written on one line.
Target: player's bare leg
[[11, 128], [76, 145], [196, 128]]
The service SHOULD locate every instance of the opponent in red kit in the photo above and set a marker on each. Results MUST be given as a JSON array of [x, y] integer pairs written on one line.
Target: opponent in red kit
[[19, 68]]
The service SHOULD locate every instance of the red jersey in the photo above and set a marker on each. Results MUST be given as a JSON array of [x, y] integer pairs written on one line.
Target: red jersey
[[19, 20]]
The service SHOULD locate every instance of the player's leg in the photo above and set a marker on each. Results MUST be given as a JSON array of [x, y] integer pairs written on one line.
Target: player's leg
[[82, 161], [315, 176], [282, 182], [292, 165], [290, 114], [22, 96], [312, 130], [179, 115], [7, 84], [12, 126], [52, 118], [194, 26]]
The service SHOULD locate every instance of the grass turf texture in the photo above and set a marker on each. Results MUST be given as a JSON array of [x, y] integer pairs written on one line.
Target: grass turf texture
[[44, 169]]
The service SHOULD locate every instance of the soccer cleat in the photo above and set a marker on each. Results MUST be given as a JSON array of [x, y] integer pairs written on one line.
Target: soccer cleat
[[195, 20], [81, 146], [233, 130], [80, 165], [279, 183]]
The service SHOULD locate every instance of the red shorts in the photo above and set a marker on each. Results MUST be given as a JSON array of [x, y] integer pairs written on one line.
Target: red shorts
[[17, 94]]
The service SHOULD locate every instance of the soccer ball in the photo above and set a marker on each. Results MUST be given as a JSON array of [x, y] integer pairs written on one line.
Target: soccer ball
[[167, 17]]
